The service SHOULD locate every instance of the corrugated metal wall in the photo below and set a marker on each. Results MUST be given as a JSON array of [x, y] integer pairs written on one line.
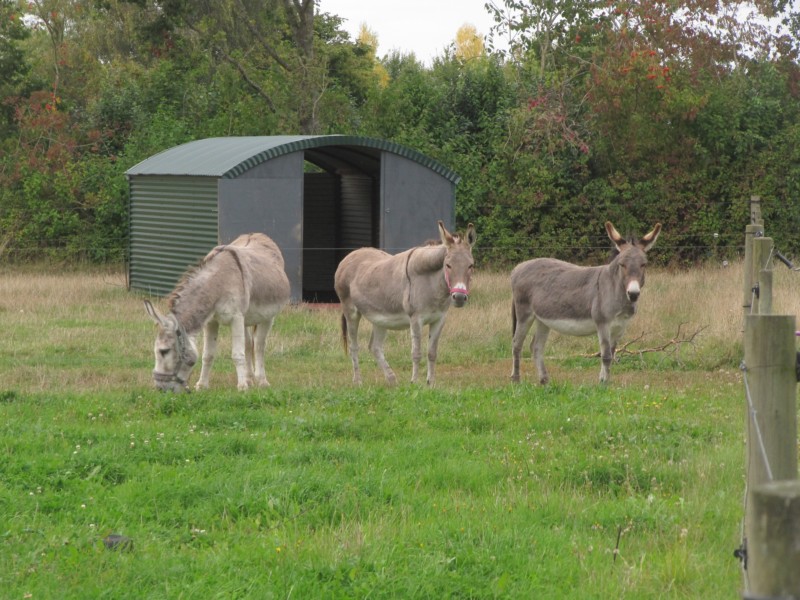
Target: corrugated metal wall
[[173, 225], [357, 220]]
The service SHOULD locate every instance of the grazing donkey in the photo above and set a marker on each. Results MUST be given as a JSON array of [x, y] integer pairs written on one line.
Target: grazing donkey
[[577, 300], [241, 284], [414, 288]]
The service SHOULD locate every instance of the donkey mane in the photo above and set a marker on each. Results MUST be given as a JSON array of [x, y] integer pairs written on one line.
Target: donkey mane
[[434, 242], [614, 252], [175, 296], [430, 242]]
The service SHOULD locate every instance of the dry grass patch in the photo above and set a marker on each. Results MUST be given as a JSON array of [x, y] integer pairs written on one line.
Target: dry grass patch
[[85, 331]]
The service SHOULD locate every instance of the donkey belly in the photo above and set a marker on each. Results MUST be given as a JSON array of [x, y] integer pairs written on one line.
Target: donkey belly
[[262, 312], [400, 320], [388, 320], [255, 314], [578, 327]]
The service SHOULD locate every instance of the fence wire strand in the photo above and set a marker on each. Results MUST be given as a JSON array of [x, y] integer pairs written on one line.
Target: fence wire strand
[[753, 423], [752, 426]]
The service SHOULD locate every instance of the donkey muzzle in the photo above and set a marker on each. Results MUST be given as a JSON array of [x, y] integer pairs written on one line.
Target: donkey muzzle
[[459, 296], [169, 382], [633, 291]]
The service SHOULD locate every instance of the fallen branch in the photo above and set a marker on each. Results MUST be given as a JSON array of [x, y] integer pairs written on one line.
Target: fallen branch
[[672, 346]]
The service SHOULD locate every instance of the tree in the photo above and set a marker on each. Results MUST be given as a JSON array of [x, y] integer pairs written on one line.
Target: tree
[[469, 45], [13, 64], [368, 39], [270, 44], [538, 28]]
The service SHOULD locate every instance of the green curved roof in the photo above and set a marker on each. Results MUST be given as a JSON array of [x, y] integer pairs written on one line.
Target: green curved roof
[[229, 157]]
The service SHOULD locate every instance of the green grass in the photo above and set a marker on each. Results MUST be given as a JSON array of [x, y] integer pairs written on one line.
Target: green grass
[[314, 488], [477, 493]]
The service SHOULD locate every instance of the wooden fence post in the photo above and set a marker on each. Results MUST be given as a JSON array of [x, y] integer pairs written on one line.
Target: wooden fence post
[[775, 543], [765, 292], [770, 389], [755, 211], [751, 232], [761, 253]]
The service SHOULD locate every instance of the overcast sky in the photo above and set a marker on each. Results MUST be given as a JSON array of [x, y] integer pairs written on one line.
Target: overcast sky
[[424, 27]]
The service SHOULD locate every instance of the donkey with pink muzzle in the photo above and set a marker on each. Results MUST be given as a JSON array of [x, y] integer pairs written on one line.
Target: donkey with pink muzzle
[[412, 289]]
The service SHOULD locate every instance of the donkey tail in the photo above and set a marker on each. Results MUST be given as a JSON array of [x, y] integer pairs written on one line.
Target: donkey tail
[[344, 334]]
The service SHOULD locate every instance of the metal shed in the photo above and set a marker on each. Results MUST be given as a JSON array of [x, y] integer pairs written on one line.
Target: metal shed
[[318, 197]]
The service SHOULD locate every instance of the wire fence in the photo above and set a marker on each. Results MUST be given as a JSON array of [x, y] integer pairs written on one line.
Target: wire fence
[[756, 438], [113, 251]]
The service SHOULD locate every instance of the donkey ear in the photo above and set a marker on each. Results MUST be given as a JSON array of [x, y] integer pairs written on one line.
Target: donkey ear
[[648, 240], [446, 236], [614, 236], [153, 312], [471, 236]]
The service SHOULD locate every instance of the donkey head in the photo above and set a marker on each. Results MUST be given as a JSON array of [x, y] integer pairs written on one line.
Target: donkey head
[[458, 262], [175, 352], [632, 259]]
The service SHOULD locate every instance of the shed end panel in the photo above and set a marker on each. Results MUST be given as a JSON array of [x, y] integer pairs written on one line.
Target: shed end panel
[[173, 224], [413, 199]]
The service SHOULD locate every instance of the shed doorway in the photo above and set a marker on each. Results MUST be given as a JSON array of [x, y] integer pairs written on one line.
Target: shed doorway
[[340, 214]]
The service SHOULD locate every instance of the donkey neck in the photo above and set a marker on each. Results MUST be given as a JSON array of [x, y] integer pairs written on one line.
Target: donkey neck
[[193, 303], [426, 259]]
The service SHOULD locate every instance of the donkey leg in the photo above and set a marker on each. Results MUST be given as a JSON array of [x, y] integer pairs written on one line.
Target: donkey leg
[[434, 332], [376, 345], [416, 348], [238, 354], [606, 352], [522, 327], [260, 342], [248, 352], [210, 333], [352, 320], [537, 350]]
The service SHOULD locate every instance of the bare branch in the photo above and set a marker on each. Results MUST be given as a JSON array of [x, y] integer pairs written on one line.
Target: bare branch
[[258, 89], [268, 48], [239, 67], [671, 346]]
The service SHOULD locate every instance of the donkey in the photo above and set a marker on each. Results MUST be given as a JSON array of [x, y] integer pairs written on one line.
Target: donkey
[[577, 300], [241, 284], [411, 289]]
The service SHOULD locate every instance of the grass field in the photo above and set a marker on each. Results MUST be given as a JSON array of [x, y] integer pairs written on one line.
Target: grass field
[[314, 488]]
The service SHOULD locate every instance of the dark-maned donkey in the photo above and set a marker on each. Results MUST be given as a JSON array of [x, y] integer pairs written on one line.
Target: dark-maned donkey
[[241, 284], [411, 289], [577, 300]]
